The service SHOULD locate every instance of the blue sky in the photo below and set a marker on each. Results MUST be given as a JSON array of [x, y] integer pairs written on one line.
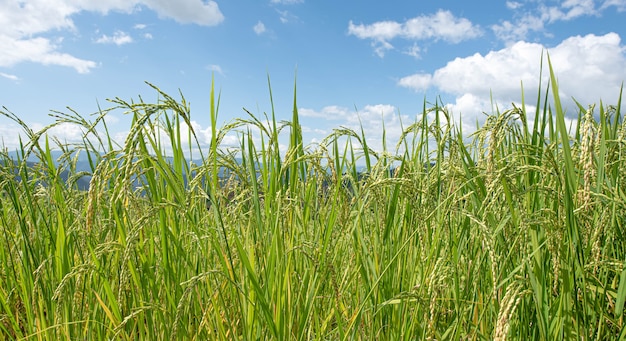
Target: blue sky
[[369, 60]]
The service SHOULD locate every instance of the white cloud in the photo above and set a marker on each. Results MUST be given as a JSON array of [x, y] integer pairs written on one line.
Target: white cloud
[[67, 132], [589, 68], [9, 136], [39, 50], [371, 118], [513, 5], [417, 82], [471, 109], [111, 119], [576, 8], [199, 12], [331, 112], [382, 30], [442, 25], [414, 51], [23, 23], [286, 16], [259, 28], [381, 47], [64, 132], [118, 38], [510, 32], [619, 4], [9, 76], [140, 27], [537, 18], [23, 19]]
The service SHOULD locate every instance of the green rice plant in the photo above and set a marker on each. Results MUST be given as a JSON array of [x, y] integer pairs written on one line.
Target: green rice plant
[[513, 232]]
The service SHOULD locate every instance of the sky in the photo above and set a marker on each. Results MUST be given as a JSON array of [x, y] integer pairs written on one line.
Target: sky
[[351, 62]]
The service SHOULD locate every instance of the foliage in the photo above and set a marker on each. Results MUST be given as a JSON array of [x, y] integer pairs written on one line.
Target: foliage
[[514, 232]]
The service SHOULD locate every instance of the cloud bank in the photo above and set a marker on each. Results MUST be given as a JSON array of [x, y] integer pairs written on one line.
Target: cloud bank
[[589, 68], [23, 24]]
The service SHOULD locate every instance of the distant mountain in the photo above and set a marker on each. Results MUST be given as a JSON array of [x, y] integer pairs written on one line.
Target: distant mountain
[[82, 183], [83, 165]]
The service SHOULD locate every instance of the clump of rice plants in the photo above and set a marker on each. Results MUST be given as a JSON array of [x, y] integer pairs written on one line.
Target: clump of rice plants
[[515, 232]]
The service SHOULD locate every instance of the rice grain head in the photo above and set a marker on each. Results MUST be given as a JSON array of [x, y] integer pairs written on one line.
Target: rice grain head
[[507, 309], [586, 159]]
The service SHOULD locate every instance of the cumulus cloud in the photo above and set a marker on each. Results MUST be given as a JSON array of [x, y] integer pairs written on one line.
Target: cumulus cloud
[[22, 25], [442, 25], [417, 82], [371, 118], [589, 68], [471, 108], [39, 50], [118, 38]]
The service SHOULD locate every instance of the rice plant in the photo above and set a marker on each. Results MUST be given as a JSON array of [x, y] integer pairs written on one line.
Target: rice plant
[[515, 232]]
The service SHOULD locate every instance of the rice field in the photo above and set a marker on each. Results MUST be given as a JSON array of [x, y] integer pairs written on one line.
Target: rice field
[[514, 232]]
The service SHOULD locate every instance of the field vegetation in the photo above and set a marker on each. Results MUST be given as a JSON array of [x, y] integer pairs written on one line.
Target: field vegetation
[[514, 232]]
